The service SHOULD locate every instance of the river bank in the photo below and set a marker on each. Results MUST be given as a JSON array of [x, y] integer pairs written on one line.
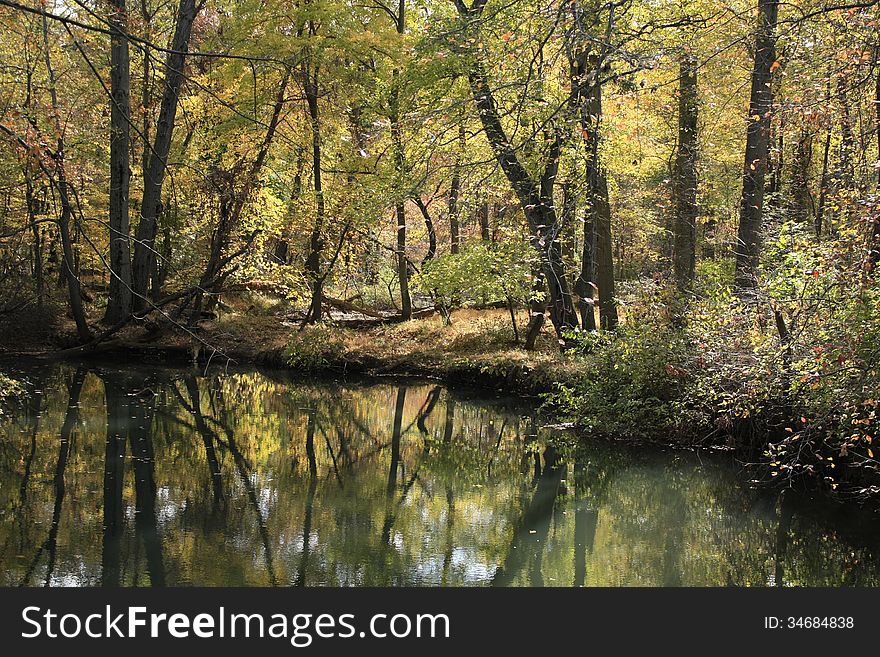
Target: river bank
[[477, 349], [649, 382]]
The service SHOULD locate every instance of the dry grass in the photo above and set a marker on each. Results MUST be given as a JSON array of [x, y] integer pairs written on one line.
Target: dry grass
[[478, 346]]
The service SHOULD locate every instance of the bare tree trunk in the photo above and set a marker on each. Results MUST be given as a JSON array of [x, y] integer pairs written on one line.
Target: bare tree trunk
[[119, 298], [399, 165], [597, 261], [757, 146], [455, 193], [605, 258], [823, 185], [31, 202], [429, 226], [144, 250], [69, 269], [316, 241], [685, 181], [483, 214], [537, 309], [874, 239]]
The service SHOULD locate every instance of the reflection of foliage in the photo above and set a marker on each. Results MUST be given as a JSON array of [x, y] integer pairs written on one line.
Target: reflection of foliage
[[463, 489], [10, 391]]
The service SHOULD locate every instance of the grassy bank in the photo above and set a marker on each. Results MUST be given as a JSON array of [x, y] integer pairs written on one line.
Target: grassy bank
[[798, 406]]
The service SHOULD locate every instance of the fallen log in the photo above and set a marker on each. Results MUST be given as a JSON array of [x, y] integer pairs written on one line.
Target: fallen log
[[348, 306]]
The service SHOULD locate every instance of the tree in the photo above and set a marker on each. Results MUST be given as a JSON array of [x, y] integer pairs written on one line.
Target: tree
[[685, 226], [119, 295], [757, 145], [535, 194], [144, 260]]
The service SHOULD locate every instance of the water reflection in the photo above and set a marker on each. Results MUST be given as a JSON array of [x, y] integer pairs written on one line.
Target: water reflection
[[116, 476]]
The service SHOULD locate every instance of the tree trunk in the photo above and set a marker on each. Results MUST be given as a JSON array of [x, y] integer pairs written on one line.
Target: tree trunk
[[537, 308], [144, 250], [31, 203], [316, 241], [597, 262], [605, 258], [483, 213], [757, 145], [535, 197], [455, 193], [399, 166], [874, 238], [429, 226], [685, 181], [802, 200], [119, 297], [69, 271]]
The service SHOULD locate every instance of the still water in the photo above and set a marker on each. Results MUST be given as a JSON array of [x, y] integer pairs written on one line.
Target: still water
[[137, 476]]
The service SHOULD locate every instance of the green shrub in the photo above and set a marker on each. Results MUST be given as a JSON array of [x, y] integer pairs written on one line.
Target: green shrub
[[484, 272], [632, 380], [315, 347]]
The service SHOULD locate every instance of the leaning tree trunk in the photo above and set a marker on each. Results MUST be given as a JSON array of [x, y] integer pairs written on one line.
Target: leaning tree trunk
[[144, 250], [69, 269], [119, 297], [685, 182], [455, 193], [535, 197], [429, 227], [757, 146]]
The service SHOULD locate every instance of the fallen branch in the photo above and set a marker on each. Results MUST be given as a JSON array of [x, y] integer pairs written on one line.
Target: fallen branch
[[348, 306]]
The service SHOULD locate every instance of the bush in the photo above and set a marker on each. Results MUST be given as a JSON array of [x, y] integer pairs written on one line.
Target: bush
[[315, 347], [633, 380], [484, 272]]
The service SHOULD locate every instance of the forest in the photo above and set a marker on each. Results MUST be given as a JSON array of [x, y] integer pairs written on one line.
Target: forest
[[659, 216]]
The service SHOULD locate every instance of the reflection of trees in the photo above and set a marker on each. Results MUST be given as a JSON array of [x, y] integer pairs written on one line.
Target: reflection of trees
[[300, 579], [20, 509], [114, 480], [268, 481], [130, 409], [209, 439], [140, 441], [50, 545], [531, 531], [586, 517], [243, 468]]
